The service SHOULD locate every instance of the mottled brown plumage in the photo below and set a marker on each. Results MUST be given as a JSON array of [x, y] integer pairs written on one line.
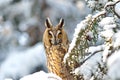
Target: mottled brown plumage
[[56, 45]]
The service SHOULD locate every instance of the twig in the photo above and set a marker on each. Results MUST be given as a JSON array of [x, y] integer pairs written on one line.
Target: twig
[[90, 56]]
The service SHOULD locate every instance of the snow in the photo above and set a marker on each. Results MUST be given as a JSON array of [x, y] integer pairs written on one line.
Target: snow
[[110, 26], [23, 39], [82, 6], [21, 63], [63, 8], [109, 3], [92, 4], [113, 58], [117, 40], [90, 34], [96, 5], [41, 75], [117, 8], [114, 65], [80, 26], [70, 48], [89, 67], [106, 21], [5, 2], [115, 0], [8, 79], [107, 34], [6, 29], [103, 1], [21, 8], [116, 5], [98, 14], [106, 53], [93, 49], [17, 16]]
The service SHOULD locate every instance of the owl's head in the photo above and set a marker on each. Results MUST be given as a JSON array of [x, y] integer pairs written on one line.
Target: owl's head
[[54, 35]]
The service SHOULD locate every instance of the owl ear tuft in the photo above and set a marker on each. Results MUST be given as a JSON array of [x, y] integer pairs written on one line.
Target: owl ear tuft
[[48, 23], [61, 23]]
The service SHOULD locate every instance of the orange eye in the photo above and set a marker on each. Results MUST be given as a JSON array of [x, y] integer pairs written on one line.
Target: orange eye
[[60, 35], [49, 35]]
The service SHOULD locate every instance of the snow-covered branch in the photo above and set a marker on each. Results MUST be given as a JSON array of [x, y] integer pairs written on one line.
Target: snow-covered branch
[[96, 64], [41, 75]]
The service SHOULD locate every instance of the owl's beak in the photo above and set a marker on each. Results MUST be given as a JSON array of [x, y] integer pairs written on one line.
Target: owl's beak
[[55, 42]]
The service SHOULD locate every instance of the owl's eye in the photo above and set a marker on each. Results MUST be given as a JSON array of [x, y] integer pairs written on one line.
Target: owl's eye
[[60, 35], [49, 34]]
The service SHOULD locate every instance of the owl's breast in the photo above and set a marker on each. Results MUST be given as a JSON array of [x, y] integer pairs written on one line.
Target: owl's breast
[[55, 57]]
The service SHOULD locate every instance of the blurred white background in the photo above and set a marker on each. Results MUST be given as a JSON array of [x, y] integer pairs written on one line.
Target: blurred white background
[[21, 30]]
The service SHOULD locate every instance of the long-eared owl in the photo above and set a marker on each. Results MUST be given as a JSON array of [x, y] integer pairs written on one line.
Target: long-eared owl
[[56, 46]]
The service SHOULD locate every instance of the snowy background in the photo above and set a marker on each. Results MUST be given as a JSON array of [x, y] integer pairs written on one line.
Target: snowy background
[[21, 30], [22, 26]]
